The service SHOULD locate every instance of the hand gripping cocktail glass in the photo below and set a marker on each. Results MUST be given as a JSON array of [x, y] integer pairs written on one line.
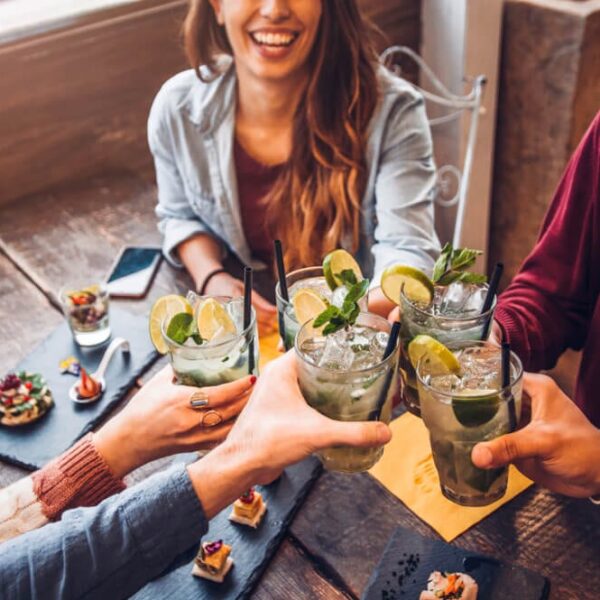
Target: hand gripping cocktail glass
[[222, 359], [309, 278], [465, 408], [453, 316], [345, 377]]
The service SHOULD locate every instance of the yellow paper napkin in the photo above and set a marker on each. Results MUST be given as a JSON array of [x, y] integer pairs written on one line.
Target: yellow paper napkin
[[407, 470], [268, 349]]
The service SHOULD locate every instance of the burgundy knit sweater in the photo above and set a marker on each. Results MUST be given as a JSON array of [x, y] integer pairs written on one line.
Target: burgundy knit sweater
[[554, 301]]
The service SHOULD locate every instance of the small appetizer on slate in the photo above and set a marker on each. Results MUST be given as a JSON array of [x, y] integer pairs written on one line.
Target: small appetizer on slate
[[24, 398], [450, 586], [248, 509], [88, 387], [213, 561]]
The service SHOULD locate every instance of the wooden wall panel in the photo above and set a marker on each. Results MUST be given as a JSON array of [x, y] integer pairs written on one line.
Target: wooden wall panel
[[74, 102]]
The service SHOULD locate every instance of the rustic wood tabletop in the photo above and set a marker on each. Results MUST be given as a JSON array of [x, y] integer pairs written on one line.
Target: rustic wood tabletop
[[341, 530]]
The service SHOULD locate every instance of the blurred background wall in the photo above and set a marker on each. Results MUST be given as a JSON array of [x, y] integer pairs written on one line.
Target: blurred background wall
[[75, 94]]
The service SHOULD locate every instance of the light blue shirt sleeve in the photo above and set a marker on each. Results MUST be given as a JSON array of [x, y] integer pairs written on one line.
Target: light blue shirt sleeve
[[404, 188], [107, 551], [177, 221]]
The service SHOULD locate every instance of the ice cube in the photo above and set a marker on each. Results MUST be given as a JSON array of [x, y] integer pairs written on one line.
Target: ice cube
[[476, 298], [453, 300], [379, 344], [192, 298], [337, 353], [339, 295], [364, 360], [312, 349]]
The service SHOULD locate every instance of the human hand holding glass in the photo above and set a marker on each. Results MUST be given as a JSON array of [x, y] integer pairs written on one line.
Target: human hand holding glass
[[559, 448]]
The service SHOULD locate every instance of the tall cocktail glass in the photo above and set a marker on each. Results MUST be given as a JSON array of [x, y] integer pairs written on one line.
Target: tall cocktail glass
[[461, 410], [345, 377]]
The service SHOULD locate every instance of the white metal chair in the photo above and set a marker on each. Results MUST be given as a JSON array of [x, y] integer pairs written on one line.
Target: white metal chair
[[452, 183]]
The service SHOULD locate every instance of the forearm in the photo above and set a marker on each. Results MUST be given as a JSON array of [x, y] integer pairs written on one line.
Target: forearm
[[200, 255], [79, 477], [221, 477], [109, 551]]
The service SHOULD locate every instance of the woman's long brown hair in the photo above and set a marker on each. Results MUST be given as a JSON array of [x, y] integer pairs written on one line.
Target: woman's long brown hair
[[316, 202]]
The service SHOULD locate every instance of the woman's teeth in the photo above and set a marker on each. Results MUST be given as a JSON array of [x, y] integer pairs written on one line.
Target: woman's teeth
[[273, 39]]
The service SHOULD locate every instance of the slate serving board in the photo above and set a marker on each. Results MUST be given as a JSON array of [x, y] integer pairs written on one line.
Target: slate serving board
[[252, 549], [31, 446], [409, 558]]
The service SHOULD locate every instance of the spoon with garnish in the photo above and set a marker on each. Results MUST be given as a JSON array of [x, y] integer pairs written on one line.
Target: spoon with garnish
[[91, 387]]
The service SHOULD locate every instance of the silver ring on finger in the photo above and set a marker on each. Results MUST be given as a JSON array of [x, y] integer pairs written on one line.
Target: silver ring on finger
[[199, 400]]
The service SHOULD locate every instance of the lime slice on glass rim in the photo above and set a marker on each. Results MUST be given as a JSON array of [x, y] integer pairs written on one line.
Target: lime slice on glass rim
[[212, 319], [475, 407], [418, 288], [336, 262], [440, 360], [307, 305], [165, 308]]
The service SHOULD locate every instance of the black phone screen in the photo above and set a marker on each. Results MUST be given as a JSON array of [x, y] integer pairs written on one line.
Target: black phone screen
[[133, 272]]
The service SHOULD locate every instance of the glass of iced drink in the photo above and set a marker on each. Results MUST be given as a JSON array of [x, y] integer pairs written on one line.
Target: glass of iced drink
[[220, 350], [86, 309], [454, 315], [464, 407], [345, 377]]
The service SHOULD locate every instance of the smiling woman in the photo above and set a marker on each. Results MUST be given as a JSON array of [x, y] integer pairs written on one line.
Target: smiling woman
[[287, 127]]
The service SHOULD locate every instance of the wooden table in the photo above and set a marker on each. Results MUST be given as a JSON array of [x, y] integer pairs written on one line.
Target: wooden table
[[339, 534]]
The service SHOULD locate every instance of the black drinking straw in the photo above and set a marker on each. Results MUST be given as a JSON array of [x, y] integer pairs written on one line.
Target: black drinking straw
[[512, 412], [282, 286], [281, 271], [375, 414], [489, 297], [248, 315]]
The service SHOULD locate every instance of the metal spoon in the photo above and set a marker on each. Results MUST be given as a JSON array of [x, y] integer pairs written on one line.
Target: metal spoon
[[98, 375]]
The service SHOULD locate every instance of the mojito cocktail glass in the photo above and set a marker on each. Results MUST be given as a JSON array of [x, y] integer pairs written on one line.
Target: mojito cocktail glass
[[461, 410], [345, 377], [220, 360], [448, 319]]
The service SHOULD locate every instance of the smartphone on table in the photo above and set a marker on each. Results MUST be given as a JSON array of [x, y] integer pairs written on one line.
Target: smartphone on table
[[133, 271]]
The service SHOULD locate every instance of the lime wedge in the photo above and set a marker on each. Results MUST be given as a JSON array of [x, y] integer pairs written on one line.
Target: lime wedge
[[165, 308], [418, 288], [212, 318], [440, 360], [336, 262], [475, 407], [307, 305]]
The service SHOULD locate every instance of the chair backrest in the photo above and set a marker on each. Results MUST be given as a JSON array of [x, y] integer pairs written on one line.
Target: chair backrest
[[452, 180]]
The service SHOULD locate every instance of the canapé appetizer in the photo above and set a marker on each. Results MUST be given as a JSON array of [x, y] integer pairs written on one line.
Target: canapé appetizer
[[450, 586], [24, 398], [213, 561], [248, 509]]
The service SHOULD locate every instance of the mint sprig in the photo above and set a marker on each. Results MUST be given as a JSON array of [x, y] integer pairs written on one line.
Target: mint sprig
[[181, 327], [452, 265], [335, 318]]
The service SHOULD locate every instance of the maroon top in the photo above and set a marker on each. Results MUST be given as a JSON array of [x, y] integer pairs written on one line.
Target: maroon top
[[254, 181], [554, 301]]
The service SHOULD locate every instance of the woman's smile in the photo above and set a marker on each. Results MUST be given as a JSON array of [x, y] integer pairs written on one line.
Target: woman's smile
[[274, 43]]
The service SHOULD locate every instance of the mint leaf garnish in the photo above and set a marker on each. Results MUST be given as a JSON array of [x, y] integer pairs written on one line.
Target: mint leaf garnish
[[181, 327], [348, 277], [335, 318], [452, 265]]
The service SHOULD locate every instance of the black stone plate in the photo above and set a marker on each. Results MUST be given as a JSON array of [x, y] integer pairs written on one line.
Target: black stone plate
[[409, 559], [251, 548], [31, 446]]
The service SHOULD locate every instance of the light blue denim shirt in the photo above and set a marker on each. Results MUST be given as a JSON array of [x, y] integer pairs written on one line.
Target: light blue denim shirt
[[191, 133], [107, 551]]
